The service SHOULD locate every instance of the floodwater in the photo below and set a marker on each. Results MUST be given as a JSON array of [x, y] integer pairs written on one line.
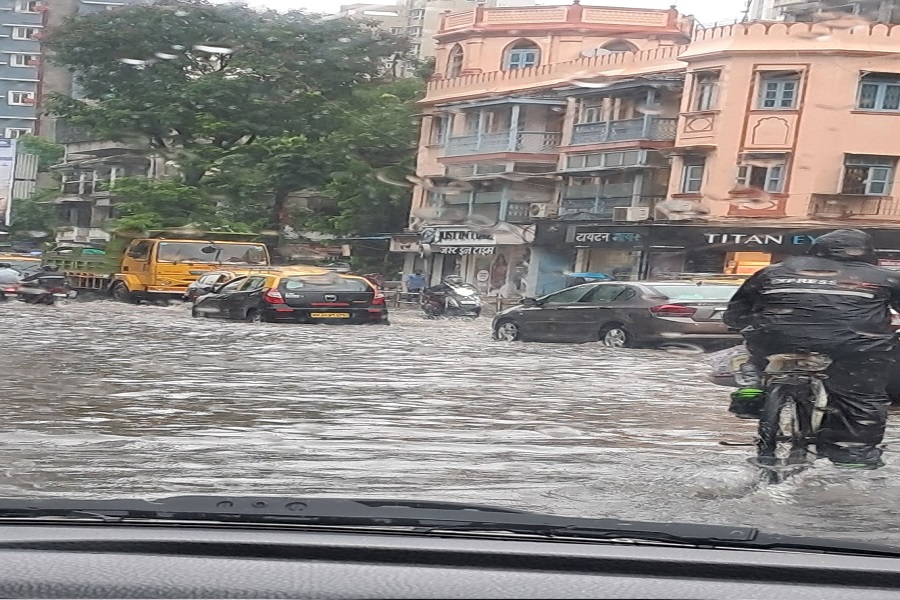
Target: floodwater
[[102, 399]]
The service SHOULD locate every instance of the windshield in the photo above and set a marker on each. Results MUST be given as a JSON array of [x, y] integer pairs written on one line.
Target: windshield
[[324, 283], [204, 252], [697, 292], [622, 148]]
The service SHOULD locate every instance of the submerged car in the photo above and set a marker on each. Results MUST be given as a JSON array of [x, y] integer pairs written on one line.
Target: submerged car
[[297, 295], [623, 314]]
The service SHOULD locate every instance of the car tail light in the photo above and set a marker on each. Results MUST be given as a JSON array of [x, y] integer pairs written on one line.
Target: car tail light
[[273, 296], [378, 300], [673, 310]]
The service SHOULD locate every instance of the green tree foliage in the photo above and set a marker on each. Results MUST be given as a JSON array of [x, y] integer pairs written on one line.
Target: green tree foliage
[[47, 152], [250, 106]]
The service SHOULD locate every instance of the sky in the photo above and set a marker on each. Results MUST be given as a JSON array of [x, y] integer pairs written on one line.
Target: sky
[[707, 12]]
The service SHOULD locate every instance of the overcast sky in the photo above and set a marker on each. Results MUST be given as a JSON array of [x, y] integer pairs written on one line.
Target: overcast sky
[[707, 11]]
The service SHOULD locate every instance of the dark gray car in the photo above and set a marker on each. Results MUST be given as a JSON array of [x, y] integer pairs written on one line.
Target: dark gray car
[[623, 314]]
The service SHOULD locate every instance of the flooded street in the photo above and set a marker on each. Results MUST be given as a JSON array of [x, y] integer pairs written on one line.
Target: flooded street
[[105, 399]]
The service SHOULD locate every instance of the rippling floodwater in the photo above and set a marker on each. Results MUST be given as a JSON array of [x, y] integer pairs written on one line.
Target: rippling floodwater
[[104, 399]]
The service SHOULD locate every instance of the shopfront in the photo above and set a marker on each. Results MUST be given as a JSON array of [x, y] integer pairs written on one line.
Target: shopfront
[[497, 262], [649, 251]]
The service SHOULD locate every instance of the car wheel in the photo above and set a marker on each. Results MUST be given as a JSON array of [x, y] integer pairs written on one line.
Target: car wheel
[[616, 336], [120, 293], [507, 331], [254, 316]]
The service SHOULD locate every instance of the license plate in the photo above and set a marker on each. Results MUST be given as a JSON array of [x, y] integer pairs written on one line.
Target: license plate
[[330, 315]]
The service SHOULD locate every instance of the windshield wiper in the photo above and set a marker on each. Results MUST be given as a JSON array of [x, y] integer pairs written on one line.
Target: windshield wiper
[[420, 517]]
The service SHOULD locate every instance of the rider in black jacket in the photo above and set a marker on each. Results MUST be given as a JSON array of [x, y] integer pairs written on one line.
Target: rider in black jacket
[[837, 302]]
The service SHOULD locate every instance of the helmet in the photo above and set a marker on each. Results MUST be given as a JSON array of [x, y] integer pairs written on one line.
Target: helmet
[[454, 280], [847, 245], [50, 268]]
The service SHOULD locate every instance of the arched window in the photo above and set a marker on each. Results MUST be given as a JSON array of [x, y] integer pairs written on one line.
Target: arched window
[[455, 62], [619, 46], [521, 55]]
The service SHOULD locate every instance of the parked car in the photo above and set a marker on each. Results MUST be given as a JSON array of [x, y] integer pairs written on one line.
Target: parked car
[[302, 295], [623, 314], [209, 280]]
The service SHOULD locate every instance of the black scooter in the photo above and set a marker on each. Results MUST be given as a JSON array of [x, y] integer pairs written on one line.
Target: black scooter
[[47, 289], [448, 300]]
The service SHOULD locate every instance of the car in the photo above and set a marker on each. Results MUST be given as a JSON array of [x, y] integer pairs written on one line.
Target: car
[[623, 314], [301, 295], [209, 280]]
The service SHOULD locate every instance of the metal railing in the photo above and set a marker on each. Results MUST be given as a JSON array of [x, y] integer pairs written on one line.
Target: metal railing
[[609, 190], [504, 141], [644, 128]]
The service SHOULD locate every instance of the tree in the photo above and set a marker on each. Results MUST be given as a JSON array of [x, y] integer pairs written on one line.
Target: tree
[[199, 82], [47, 152]]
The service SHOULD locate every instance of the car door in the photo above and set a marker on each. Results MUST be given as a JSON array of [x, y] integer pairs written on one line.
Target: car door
[[582, 320], [542, 322], [211, 305], [246, 297]]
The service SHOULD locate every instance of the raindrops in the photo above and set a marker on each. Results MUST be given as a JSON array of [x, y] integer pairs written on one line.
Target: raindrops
[[212, 49], [650, 109], [344, 40], [678, 209], [165, 56]]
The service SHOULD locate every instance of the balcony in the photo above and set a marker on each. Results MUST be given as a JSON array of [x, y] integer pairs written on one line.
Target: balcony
[[626, 130], [536, 142], [847, 205], [599, 200]]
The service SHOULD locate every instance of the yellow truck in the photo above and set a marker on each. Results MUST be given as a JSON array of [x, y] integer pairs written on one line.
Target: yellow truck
[[158, 265]]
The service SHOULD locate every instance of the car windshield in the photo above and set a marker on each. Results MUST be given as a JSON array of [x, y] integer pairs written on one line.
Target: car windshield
[[563, 159], [324, 283], [697, 292], [203, 252]]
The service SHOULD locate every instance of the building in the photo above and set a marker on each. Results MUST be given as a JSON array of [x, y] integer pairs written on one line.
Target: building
[[883, 11], [418, 19], [649, 147]]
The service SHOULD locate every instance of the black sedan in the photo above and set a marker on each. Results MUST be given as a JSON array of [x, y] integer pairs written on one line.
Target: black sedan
[[623, 314]]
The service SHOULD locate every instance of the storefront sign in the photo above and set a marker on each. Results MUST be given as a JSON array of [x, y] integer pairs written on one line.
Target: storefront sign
[[456, 237], [467, 250], [759, 239], [589, 235]]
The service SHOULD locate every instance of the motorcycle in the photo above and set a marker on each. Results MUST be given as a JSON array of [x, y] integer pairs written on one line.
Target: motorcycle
[[47, 290], [451, 301]]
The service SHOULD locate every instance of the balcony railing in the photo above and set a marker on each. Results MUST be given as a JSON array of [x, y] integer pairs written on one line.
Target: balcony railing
[[539, 142], [93, 187], [645, 128], [602, 208], [847, 205], [610, 190]]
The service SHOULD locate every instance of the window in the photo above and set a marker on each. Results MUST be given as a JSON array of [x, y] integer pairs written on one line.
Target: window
[[27, 6], [414, 31], [592, 111], [24, 33], [417, 13], [767, 177], [879, 91], [778, 90], [522, 55], [692, 176], [568, 295], [604, 294], [396, 30], [233, 286], [619, 46], [253, 283], [24, 60], [140, 251], [606, 159], [20, 99], [868, 175], [439, 130], [455, 61], [16, 132], [706, 86]]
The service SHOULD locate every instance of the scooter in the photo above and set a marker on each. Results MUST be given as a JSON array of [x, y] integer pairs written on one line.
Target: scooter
[[452, 301], [47, 290]]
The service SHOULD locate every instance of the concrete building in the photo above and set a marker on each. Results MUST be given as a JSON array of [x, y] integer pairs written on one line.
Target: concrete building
[[884, 11], [418, 19], [666, 150]]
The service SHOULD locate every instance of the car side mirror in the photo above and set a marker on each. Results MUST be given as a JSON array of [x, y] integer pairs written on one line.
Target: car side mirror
[[530, 302]]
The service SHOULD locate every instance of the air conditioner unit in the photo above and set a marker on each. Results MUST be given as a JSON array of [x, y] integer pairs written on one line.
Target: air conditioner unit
[[631, 213], [542, 210]]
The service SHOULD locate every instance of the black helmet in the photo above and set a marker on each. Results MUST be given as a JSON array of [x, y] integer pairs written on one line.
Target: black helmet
[[453, 280], [847, 245], [50, 268]]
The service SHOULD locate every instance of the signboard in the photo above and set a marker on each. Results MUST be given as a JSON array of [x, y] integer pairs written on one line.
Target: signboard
[[467, 250], [457, 236], [7, 174], [608, 237]]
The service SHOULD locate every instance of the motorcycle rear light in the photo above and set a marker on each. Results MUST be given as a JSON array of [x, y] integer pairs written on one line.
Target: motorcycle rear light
[[273, 297], [378, 300], [673, 310]]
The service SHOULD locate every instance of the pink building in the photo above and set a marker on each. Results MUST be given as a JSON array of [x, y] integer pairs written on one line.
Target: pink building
[[560, 139]]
